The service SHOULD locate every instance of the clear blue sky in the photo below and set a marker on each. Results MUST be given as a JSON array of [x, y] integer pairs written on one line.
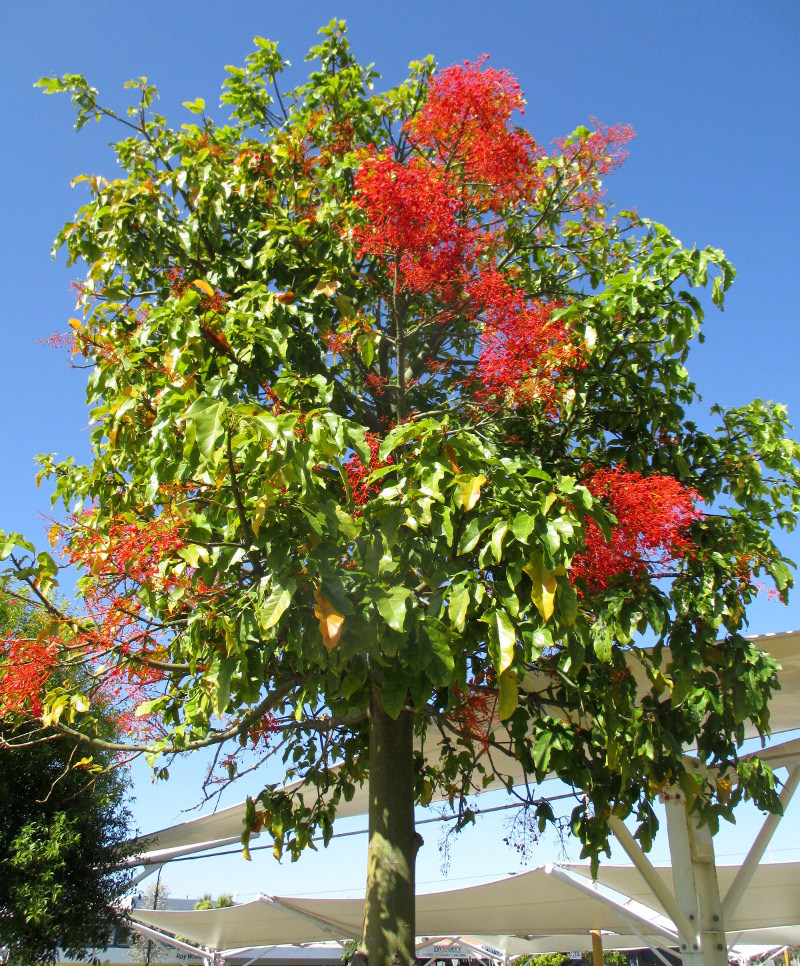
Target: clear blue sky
[[710, 88]]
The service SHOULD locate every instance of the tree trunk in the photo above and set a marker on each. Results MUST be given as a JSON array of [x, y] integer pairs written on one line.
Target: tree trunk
[[393, 842]]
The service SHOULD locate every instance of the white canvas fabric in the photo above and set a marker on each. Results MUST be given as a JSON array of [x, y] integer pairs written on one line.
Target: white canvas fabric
[[532, 905], [772, 898]]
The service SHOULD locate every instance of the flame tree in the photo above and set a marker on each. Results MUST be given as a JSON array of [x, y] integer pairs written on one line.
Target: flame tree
[[392, 468]]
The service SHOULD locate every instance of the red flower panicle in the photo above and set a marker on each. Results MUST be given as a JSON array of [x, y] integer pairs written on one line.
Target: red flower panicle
[[476, 716], [653, 514], [525, 352], [26, 666], [435, 219], [466, 122], [412, 221], [358, 474]]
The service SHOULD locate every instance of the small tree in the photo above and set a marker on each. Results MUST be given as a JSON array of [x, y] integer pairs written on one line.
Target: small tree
[[63, 833], [206, 902], [144, 949], [392, 465]]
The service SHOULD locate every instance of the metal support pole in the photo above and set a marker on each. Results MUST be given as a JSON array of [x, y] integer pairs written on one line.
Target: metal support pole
[[758, 848], [650, 945], [166, 940], [694, 874], [652, 878]]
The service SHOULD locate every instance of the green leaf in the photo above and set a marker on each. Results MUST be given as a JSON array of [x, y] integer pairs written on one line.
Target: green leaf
[[522, 526], [206, 418], [499, 532], [272, 608], [470, 537], [222, 678], [509, 695], [393, 692], [392, 607], [568, 604], [458, 604], [602, 640]]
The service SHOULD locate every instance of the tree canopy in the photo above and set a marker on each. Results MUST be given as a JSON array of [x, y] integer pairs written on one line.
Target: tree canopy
[[395, 460], [65, 824]]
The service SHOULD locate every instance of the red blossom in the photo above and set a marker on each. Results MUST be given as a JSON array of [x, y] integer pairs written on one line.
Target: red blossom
[[358, 474], [25, 668], [475, 716], [601, 151], [60, 340], [653, 516], [525, 352], [466, 122], [412, 221]]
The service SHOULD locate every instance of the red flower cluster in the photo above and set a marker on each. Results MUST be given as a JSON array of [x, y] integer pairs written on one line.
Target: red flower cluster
[[653, 514], [600, 152], [476, 716], [60, 340], [435, 220], [128, 551], [358, 474], [525, 353], [588, 159], [412, 221], [466, 123], [25, 668]]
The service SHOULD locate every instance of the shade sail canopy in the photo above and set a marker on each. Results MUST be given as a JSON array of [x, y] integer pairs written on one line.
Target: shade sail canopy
[[533, 904], [225, 826], [772, 898], [527, 904]]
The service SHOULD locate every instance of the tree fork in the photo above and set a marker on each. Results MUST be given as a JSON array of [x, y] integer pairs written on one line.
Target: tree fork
[[389, 923]]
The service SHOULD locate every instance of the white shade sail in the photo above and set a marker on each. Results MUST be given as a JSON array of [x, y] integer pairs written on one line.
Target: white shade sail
[[533, 904], [772, 897], [527, 904]]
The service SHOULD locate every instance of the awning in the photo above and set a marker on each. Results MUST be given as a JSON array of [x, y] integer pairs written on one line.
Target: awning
[[772, 897], [532, 904]]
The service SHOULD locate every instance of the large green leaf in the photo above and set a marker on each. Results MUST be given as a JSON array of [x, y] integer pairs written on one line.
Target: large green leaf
[[392, 607]]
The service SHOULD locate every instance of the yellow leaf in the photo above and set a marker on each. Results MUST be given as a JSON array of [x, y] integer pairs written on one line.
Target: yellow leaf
[[261, 508], [327, 288], [470, 491], [509, 695], [170, 358], [204, 287], [79, 703], [724, 786], [330, 620], [543, 589]]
